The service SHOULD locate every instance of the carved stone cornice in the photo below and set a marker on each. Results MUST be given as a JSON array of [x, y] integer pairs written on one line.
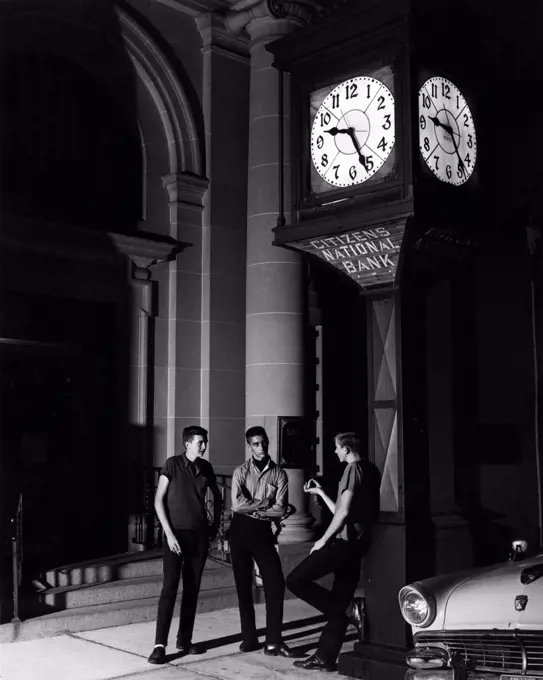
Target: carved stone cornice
[[216, 38], [265, 19], [69, 242], [185, 188]]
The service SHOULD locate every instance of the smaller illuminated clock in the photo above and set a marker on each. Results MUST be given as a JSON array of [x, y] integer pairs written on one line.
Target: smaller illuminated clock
[[352, 133], [447, 139]]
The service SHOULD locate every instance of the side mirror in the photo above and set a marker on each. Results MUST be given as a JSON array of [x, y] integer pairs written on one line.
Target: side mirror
[[518, 548]]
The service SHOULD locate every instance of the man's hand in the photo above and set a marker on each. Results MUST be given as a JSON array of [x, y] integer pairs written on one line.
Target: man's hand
[[173, 544], [312, 486], [319, 545], [212, 532]]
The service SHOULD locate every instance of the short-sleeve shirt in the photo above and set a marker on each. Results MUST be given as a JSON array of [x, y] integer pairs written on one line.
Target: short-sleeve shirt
[[362, 479], [186, 493]]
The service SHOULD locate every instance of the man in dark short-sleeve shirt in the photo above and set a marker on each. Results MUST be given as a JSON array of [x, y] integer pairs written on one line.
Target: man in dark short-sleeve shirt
[[339, 551], [180, 506]]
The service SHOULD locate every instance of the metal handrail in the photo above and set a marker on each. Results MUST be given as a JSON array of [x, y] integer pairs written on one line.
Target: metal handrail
[[148, 530], [16, 523]]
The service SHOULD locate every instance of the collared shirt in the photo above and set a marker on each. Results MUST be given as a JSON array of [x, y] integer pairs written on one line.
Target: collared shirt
[[249, 485], [186, 494]]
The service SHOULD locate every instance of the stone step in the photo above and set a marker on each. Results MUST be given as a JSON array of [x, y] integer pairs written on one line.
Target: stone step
[[114, 568], [127, 589], [77, 619]]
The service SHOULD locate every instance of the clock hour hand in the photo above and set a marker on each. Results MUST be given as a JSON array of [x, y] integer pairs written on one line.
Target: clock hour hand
[[435, 120], [337, 131]]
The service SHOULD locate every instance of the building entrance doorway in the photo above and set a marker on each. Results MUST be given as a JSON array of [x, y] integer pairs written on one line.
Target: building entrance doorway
[[60, 430]]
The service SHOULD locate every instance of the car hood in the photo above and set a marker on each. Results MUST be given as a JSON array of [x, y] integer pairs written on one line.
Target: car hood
[[487, 598]]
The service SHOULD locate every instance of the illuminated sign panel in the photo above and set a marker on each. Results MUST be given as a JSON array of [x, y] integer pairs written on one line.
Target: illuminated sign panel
[[368, 256]]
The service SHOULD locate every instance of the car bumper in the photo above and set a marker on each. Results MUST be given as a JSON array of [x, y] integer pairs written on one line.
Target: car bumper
[[447, 674]]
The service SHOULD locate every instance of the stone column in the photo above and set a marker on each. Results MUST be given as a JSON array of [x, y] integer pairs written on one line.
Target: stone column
[[275, 288]]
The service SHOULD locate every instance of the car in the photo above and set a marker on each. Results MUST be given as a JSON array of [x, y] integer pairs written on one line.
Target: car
[[476, 624]]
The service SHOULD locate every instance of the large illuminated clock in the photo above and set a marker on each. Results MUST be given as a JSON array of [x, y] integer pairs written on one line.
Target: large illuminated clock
[[447, 139], [352, 132]]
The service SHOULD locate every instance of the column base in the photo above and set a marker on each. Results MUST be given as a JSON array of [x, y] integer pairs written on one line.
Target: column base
[[373, 662], [297, 527]]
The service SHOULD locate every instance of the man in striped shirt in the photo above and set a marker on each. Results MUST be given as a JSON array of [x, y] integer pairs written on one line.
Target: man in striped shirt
[[259, 497]]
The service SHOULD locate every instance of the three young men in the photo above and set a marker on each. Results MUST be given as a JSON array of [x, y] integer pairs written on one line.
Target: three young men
[[260, 497], [180, 506]]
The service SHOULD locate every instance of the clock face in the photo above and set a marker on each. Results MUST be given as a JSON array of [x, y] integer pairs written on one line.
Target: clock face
[[352, 134], [447, 139]]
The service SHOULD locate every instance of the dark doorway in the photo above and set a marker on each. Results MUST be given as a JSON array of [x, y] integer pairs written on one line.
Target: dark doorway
[[61, 427]]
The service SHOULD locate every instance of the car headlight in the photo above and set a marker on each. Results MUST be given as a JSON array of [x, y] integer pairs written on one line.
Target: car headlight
[[417, 607]]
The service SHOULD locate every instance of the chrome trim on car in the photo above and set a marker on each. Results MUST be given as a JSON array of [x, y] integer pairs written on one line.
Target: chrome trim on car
[[500, 651]]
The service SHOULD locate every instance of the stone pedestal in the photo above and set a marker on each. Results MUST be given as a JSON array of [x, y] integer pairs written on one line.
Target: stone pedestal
[[297, 528]]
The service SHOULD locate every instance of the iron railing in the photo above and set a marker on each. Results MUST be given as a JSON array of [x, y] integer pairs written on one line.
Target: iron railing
[[148, 530], [16, 526]]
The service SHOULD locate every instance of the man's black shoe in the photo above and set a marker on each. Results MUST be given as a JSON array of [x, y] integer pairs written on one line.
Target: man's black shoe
[[281, 650], [158, 656], [249, 646], [315, 663], [354, 614], [190, 648]]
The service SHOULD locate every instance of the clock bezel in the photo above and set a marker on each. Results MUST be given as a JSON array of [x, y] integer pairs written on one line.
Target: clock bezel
[[303, 82], [428, 180], [344, 147]]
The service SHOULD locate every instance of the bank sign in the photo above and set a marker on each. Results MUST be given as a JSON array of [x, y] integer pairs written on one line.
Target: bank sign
[[368, 256]]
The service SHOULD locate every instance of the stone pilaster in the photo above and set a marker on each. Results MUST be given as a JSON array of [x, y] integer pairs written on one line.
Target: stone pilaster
[[275, 287]]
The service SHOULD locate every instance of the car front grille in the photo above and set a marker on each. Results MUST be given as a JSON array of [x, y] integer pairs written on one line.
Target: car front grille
[[512, 651]]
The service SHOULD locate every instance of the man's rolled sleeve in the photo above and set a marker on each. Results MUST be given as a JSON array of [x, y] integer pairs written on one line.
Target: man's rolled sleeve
[[353, 479], [166, 470], [240, 502], [279, 508]]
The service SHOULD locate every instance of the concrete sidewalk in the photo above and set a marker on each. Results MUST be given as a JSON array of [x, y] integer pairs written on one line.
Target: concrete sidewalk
[[122, 652]]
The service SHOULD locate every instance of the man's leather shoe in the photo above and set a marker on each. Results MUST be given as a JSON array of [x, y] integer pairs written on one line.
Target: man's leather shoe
[[158, 655], [280, 650], [315, 663], [354, 614], [249, 646], [190, 648]]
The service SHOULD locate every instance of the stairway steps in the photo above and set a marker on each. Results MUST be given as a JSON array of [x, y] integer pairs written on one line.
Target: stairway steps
[[118, 567], [107, 615], [127, 589]]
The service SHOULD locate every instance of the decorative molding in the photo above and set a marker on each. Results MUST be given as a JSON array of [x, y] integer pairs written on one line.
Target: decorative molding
[[159, 78], [186, 188], [194, 7], [216, 38], [68, 242], [186, 193], [252, 16]]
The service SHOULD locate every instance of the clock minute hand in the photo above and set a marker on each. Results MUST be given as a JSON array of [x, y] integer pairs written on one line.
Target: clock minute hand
[[435, 120], [356, 143]]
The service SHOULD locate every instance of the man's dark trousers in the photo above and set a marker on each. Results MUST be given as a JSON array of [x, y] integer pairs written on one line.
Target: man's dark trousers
[[253, 539], [342, 559], [190, 565]]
